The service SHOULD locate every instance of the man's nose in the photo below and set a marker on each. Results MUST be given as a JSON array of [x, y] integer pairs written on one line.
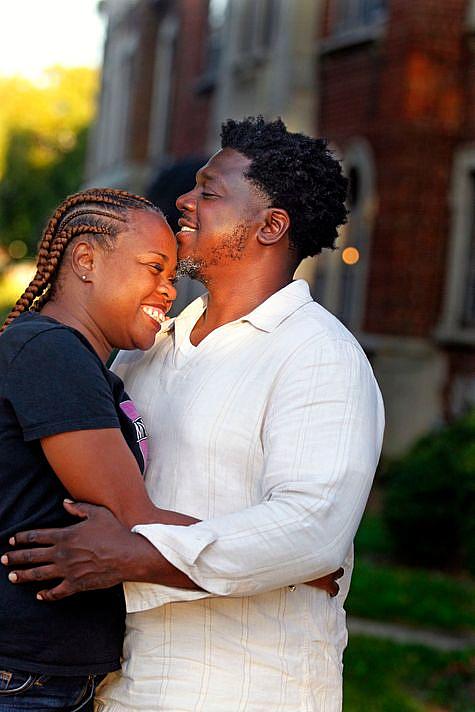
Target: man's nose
[[187, 201]]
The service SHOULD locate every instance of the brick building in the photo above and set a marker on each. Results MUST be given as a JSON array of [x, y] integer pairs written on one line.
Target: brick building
[[392, 84], [149, 109], [397, 91]]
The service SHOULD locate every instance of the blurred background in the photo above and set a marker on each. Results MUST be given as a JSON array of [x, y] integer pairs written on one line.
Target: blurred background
[[131, 94]]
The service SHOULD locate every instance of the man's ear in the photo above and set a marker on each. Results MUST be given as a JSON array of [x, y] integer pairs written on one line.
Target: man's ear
[[275, 226], [82, 260]]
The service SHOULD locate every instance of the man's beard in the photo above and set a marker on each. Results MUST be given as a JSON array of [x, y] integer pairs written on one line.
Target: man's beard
[[229, 250], [232, 245], [189, 267]]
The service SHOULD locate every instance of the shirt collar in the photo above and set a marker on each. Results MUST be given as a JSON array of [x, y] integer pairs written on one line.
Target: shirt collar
[[280, 305], [266, 317], [192, 311]]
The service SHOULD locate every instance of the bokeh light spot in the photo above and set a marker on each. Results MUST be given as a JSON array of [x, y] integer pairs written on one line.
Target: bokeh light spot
[[17, 249], [350, 255]]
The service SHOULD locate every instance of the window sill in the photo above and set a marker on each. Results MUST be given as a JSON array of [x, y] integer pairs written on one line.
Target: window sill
[[245, 66], [352, 38], [455, 335]]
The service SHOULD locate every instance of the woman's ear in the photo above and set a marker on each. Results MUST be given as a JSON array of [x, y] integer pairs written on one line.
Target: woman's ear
[[82, 260], [274, 227]]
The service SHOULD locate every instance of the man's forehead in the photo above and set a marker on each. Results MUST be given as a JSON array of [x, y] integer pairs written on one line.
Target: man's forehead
[[225, 163]]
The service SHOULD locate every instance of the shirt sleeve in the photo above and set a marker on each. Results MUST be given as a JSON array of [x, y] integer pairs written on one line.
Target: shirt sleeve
[[321, 437], [56, 384]]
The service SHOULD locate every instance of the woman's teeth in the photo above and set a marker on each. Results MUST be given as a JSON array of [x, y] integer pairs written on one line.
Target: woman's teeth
[[155, 313], [185, 228]]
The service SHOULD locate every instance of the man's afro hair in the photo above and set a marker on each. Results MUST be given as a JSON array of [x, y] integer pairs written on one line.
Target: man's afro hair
[[298, 173]]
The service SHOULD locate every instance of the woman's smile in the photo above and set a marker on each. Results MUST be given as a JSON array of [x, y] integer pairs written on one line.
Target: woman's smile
[[155, 314]]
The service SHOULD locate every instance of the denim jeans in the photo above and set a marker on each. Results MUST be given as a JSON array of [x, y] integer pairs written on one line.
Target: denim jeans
[[39, 693]]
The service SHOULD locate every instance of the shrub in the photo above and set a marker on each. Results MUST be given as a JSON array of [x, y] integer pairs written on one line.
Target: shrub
[[429, 503]]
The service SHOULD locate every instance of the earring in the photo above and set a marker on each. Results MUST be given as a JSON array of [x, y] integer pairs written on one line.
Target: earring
[[83, 276]]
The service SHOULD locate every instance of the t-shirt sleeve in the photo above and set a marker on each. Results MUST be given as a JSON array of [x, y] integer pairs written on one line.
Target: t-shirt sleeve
[[55, 384]]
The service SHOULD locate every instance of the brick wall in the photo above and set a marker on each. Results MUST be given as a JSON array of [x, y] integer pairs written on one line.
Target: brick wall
[[190, 109], [143, 18], [405, 93], [190, 115]]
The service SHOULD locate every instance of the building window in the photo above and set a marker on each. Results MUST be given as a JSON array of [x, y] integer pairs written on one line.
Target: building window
[[161, 106], [216, 23], [351, 15], [352, 247], [118, 79], [468, 311], [471, 16], [341, 279], [354, 22], [458, 317], [256, 28]]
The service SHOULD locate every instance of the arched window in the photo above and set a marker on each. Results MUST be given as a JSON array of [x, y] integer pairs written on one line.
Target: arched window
[[342, 276], [112, 132], [162, 88], [458, 317]]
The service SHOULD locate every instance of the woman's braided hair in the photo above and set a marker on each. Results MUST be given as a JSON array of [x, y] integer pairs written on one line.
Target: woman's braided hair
[[97, 212]]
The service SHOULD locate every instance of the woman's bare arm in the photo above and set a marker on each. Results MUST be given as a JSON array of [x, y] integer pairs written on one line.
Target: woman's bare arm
[[97, 466]]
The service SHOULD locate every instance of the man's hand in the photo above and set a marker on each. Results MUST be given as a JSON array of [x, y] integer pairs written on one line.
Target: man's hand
[[328, 583], [99, 552], [96, 553]]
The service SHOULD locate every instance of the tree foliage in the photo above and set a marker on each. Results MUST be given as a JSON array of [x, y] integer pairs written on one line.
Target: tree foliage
[[429, 506], [43, 132]]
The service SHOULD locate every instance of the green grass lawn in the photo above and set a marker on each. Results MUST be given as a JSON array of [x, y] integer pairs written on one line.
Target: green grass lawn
[[381, 676], [420, 597], [411, 596], [384, 676]]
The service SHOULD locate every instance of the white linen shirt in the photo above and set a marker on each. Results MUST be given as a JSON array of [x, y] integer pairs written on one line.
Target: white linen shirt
[[269, 431]]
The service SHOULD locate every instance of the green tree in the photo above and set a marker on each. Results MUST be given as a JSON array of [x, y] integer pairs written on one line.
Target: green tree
[[43, 135]]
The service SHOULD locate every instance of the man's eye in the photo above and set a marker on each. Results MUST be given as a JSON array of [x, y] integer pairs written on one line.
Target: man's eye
[[208, 195], [157, 267]]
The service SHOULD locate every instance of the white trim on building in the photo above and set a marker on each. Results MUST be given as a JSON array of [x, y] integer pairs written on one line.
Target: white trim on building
[[459, 250], [342, 287], [161, 104]]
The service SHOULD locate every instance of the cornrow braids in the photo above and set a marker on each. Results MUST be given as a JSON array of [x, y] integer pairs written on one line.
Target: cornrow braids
[[97, 212]]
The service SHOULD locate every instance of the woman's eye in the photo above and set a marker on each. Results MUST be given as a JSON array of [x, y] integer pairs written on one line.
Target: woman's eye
[[208, 195], [157, 267]]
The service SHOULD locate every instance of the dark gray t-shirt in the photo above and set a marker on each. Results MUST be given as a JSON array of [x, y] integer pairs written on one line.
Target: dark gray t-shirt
[[52, 381]]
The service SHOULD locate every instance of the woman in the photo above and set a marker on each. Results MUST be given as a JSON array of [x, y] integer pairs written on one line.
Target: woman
[[105, 279]]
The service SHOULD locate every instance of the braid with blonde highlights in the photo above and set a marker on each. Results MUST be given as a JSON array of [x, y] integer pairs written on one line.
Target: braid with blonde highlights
[[97, 212]]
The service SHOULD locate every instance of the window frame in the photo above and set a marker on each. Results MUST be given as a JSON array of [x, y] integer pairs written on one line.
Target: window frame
[[357, 155], [342, 34], [462, 227], [254, 51]]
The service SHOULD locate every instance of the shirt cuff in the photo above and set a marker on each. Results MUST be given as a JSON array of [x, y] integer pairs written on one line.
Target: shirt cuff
[[144, 596], [185, 544], [181, 546]]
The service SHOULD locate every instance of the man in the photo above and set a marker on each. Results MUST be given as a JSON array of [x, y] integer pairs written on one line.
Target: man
[[265, 423]]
